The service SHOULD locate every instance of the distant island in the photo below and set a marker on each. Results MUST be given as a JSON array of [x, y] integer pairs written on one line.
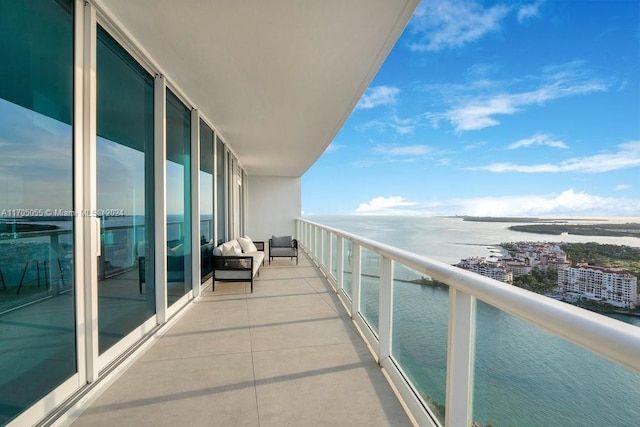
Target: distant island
[[512, 219], [611, 230], [523, 219], [559, 226]]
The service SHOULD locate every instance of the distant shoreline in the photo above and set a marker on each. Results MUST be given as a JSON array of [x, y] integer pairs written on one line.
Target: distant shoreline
[[525, 219], [609, 230], [560, 226]]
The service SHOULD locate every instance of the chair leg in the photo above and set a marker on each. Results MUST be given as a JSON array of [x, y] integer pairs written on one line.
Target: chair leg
[[24, 273], [47, 282], [61, 274]]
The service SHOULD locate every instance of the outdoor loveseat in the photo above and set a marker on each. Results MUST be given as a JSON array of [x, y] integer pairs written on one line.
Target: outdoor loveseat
[[237, 260]]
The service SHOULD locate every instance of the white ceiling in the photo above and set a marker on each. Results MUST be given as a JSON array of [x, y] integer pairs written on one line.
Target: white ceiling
[[278, 78]]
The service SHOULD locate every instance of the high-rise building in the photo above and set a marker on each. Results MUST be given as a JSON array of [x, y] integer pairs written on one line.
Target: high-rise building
[[615, 286]]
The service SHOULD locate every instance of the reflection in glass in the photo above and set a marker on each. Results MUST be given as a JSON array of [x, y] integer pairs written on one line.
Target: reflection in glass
[[178, 198], [419, 334], [37, 321], [124, 156], [370, 288], [206, 200]]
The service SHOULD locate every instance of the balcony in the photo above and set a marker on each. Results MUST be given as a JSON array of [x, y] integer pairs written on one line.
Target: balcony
[[307, 347], [288, 354]]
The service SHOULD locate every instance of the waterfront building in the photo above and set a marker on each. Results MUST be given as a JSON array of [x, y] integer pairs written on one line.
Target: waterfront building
[[492, 269], [518, 267], [540, 255], [615, 286]]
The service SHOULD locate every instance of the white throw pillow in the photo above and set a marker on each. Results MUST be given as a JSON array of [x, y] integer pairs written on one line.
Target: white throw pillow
[[229, 248], [247, 244], [236, 245]]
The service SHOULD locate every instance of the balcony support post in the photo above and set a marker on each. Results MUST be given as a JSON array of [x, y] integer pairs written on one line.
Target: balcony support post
[[356, 280], [385, 309], [460, 358], [339, 263], [316, 245], [321, 249], [329, 251]]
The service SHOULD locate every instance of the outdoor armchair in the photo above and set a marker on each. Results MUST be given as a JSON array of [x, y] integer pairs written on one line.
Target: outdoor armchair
[[283, 246]]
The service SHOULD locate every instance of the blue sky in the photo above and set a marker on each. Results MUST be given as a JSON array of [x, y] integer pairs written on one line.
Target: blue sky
[[527, 108]]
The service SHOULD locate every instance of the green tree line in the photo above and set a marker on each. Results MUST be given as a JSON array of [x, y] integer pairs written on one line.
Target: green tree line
[[604, 255]]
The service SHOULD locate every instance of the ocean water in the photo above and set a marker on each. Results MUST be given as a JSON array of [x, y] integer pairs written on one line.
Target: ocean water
[[524, 376]]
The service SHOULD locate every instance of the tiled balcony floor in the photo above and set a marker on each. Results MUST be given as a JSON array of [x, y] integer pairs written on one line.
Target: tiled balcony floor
[[287, 354]]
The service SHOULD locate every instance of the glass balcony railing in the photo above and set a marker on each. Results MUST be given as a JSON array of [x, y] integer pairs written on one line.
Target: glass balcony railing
[[463, 349]]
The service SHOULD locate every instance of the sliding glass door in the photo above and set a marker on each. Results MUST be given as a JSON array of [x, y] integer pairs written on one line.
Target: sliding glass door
[[178, 198], [37, 288], [124, 162], [206, 200]]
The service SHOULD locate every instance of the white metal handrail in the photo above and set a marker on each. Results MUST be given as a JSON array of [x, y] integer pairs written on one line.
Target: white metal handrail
[[609, 338]]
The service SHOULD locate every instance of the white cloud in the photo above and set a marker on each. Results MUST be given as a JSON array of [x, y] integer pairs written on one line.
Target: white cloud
[[441, 24], [333, 147], [528, 11], [566, 203], [627, 156], [538, 139], [478, 114], [399, 125], [379, 95], [623, 187], [406, 150], [474, 145], [474, 108], [384, 205]]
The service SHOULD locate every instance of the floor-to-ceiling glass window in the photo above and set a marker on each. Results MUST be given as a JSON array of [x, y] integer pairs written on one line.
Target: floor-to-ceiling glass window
[[206, 200], [178, 198], [220, 191], [124, 158], [37, 310]]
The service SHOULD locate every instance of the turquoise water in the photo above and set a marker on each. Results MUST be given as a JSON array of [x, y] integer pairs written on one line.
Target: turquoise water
[[524, 376]]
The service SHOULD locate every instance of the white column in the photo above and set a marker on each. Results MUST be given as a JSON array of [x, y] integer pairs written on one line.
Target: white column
[[90, 245], [82, 232], [160, 172], [215, 188], [195, 203]]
